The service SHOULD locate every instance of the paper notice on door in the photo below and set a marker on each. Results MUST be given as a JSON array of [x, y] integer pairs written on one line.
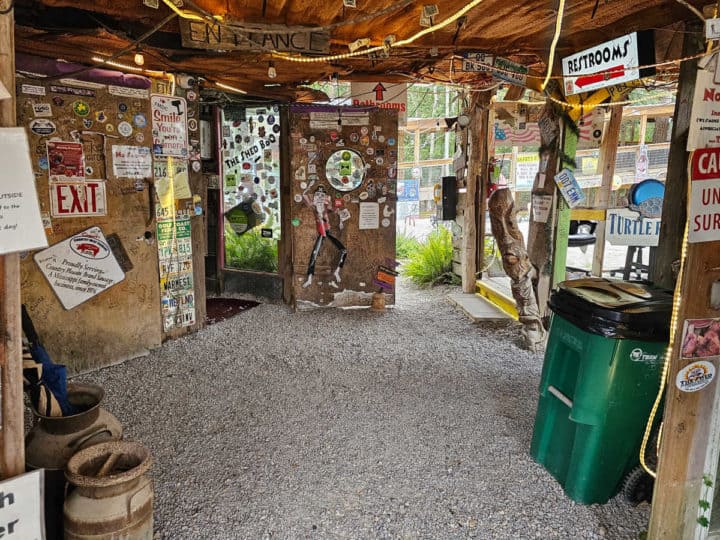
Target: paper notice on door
[[21, 226], [369, 216]]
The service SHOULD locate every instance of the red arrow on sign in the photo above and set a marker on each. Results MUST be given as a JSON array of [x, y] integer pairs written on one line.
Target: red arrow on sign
[[379, 89], [612, 73]]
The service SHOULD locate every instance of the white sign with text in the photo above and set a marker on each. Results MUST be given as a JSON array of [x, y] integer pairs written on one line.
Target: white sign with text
[[21, 507]]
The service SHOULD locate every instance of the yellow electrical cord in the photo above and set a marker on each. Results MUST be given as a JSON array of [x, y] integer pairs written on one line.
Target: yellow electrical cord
[[553, 44], [668, 353], [185, 14]]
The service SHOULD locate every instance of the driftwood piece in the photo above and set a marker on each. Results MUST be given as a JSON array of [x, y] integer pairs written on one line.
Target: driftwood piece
[[517, 266]]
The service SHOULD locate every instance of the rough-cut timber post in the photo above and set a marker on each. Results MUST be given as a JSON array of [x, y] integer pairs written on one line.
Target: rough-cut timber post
[[477, 154], [517, 266], [540, 235], [12, 448], [608, 157], [674, 212]]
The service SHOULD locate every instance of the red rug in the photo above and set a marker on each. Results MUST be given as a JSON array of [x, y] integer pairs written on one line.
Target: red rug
[[219, 309]]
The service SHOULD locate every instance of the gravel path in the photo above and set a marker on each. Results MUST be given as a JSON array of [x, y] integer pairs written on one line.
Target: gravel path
[[413, 423]]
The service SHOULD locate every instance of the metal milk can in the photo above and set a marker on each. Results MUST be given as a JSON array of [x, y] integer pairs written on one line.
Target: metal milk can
[[54, 439], [113, 499]]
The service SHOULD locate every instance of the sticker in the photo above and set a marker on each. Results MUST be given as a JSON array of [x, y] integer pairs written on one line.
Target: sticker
[[125, 129], [391, 141], [385, 222], [363, 195], [364, 130], [42, 127], [303, 141], [276, 128], [295, 222], [42, 109], [266, 233], [338, 203], [32, 89], [58, 101], [101, 117], [695, 376], [109, 128], [137, 105], [140, 120], [370, 151], [43, 163], [122, 107], [700, 338], [303, 185], [354, 137], [312, 138], [381, 139], [191, 95], [379, 161], [81, 108], [87, 123], [47, 222], [196, 166], [270, 119], [346, 197], [298, 198], [193, 124], [139, 137], [382, 200], [89, 171], [365, 140]]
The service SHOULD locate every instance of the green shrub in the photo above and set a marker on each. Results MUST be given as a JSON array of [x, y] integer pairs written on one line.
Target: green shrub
[[431, 263], [250, 251], [405, 245]]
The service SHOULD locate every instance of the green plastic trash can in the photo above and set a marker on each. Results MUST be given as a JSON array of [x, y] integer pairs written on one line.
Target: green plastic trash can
[[599, 380]]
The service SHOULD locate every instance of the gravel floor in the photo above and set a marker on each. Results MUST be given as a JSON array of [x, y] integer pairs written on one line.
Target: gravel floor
[[413, 423]]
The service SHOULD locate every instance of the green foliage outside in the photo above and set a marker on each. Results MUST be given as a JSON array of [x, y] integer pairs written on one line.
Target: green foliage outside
[[405, 245], [431, 263], [250, 251]]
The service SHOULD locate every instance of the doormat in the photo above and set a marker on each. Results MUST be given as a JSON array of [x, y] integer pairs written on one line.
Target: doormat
[[219, 309]]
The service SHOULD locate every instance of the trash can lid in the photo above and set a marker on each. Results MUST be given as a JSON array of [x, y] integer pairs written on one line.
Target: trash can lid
[[614, 308]]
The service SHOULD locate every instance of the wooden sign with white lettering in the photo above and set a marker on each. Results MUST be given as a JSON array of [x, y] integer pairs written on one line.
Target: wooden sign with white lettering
[[201, 35]]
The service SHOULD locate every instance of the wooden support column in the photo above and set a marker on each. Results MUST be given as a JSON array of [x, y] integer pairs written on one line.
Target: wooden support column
[[475, 200], [562, 225], [12, 445], [608, 157], [540, 235], [674, 213]]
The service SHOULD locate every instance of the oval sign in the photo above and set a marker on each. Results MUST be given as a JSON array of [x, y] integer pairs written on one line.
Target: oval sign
[[89, 247], [695, 376], [41, 126]]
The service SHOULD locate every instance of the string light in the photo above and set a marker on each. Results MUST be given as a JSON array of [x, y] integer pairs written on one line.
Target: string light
[[385, 46], [272, 72], [126, 67], [553, 44], [231, 88], [139, 59]]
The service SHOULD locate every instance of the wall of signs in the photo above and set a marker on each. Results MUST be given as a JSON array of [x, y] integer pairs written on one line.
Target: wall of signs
[[251, 187]]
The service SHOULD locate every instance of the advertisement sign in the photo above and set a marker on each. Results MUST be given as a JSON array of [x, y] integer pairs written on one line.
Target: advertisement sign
[[526, 167], [610, 63], [408, 190], [382, 95], [704, 129], [169, 126], [78, 199], [80, 267], [704, 214], [21, 225], [65, 161], [569, 187], [132, 162], [625, 228]]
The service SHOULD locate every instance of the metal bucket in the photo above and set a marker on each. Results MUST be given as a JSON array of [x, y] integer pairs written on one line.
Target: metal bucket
[[54, 439], [112, 498]]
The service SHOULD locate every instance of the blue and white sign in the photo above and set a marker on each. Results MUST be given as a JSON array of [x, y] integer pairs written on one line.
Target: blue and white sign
[[408, 190], [626, 228], [569, 187]]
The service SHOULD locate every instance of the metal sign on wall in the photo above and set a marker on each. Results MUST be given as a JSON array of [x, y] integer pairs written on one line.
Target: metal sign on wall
[[201, 35], [613, 62], [626, 228], [704, 214]]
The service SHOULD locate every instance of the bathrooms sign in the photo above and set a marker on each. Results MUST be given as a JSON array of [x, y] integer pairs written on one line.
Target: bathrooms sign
[[610, 63]]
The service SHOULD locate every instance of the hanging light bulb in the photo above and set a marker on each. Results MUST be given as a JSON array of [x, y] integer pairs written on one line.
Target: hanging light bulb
[[139, 59], [272, 73]]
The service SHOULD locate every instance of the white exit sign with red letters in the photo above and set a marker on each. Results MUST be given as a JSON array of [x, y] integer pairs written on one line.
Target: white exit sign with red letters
[[78, 199]]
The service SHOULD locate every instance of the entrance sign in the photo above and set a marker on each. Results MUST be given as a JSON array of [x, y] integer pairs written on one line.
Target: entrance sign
[[80, 267], [625, 228], [613, 62], [201, 35], [21, 226], [382, 95], [21, 508], [704, 215]]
